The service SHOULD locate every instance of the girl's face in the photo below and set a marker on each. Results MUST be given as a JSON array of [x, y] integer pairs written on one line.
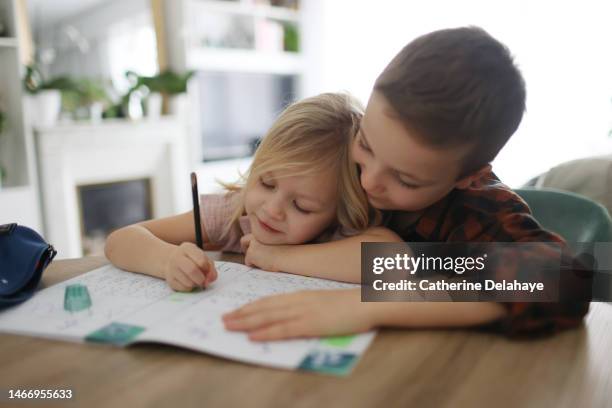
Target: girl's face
[[291, 210]]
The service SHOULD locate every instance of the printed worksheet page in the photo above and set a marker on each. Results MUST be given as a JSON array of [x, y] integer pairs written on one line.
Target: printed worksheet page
[[112, 306]]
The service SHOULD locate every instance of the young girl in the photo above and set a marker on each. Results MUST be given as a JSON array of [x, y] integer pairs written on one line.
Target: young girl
[[301, 187]]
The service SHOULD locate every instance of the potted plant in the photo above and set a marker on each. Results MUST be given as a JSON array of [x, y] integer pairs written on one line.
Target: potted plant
[[168, 83], [86, 95], [46, 98]]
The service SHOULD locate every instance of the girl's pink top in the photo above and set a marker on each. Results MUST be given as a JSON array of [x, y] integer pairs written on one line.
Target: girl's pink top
[[215, 211]]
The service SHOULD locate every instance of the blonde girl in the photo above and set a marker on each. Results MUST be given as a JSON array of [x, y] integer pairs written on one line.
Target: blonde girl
[[301, 187]]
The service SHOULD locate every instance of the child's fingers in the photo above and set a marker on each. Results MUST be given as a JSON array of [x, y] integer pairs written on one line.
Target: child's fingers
[[204, 263], [182, 274], [261, 305], [197, 255], [212, 274], [282, 330], [192, 272], [184, 280], [178, 286], [259, 320]]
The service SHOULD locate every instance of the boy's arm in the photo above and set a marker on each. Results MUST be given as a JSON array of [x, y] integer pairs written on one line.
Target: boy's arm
[[341, 312], [338, 260], [435, 314]]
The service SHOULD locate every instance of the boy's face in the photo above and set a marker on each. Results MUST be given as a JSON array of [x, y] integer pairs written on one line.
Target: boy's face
[[291, 209], [398, 172]]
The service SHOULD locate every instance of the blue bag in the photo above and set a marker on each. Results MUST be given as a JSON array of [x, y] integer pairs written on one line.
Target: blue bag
[[23, 256]]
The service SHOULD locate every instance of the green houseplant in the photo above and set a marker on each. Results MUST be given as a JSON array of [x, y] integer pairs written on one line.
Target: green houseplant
[[34, 81], [167, 82], [169, 85], [86, 94], [45, 96], [76, 94]]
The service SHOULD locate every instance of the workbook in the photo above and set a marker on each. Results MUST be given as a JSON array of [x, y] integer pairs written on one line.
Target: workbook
[[112, 306]]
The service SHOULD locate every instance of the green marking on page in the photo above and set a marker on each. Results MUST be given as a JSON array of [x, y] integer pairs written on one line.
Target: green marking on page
[[329, 362], [339, 341], [76, 298], [177, 297], [119, 334], [180, 296]]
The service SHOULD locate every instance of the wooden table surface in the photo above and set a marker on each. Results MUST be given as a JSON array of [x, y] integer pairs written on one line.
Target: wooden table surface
[[401, 368]]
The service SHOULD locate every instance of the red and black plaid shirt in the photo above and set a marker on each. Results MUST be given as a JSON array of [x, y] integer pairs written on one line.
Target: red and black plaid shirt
[[491, 212]]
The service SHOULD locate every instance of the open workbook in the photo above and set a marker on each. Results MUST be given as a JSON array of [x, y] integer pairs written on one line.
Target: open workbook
[[112, 306]]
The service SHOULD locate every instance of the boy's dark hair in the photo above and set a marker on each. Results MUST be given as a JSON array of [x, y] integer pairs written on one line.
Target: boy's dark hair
[[456, 87]]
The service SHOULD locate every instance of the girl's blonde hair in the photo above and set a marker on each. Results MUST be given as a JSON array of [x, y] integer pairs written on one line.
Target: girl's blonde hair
[[309, 136]]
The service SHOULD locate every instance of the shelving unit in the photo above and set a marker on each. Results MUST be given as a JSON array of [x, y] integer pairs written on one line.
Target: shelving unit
[[19, 199], [8, 42], [201, 35], [231, 35], [225, 37], [231, 60], [249, 9]]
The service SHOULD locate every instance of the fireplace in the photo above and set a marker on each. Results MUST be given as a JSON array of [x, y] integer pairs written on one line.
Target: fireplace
[[108, 206], [98, 177]]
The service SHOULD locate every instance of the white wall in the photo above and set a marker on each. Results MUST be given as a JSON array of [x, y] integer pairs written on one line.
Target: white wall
[[118, 36], [563, 48]]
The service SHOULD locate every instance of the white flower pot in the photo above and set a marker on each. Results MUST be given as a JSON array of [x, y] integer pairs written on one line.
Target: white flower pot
[[179, 105], [45, 107], [153, 105], [95, 112]]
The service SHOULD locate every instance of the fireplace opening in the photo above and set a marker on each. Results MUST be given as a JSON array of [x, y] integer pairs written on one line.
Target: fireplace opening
[[108, 206]]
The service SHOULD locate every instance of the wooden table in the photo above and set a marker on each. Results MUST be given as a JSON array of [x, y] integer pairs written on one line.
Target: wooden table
[[401, 368]]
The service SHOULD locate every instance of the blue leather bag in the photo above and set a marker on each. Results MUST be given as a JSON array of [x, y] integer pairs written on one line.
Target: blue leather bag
[[24, 255]]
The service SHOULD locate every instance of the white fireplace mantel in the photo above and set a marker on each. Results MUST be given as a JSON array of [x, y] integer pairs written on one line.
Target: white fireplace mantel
[[72, 155]]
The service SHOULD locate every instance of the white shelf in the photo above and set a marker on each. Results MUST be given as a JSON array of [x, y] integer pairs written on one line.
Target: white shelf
[[252, 10], [8, 191], [109, 125], [8, 42], [195, 27], [19, 198], [214, 59]]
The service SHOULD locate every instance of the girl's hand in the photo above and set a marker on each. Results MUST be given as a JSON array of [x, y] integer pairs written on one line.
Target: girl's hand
[[302, 314], [257, 254], [189, 267]]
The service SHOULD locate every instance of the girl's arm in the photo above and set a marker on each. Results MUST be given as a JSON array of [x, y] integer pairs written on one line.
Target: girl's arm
[[160, 247], [338, 260]]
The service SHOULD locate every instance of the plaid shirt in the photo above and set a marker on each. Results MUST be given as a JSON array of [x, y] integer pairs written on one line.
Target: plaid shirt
[[491, 212]]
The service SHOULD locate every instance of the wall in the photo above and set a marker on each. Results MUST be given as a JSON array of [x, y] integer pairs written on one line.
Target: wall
[[118, 34], [562, 47]]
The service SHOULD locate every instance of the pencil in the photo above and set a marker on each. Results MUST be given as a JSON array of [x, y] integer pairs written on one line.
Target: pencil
[[196, 210]]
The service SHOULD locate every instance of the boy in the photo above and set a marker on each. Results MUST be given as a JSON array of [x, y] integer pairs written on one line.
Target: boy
[[438, 115]]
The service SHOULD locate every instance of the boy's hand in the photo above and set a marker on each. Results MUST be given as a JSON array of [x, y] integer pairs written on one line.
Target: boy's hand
[[189, 267], [302, 314], [257, 254]]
